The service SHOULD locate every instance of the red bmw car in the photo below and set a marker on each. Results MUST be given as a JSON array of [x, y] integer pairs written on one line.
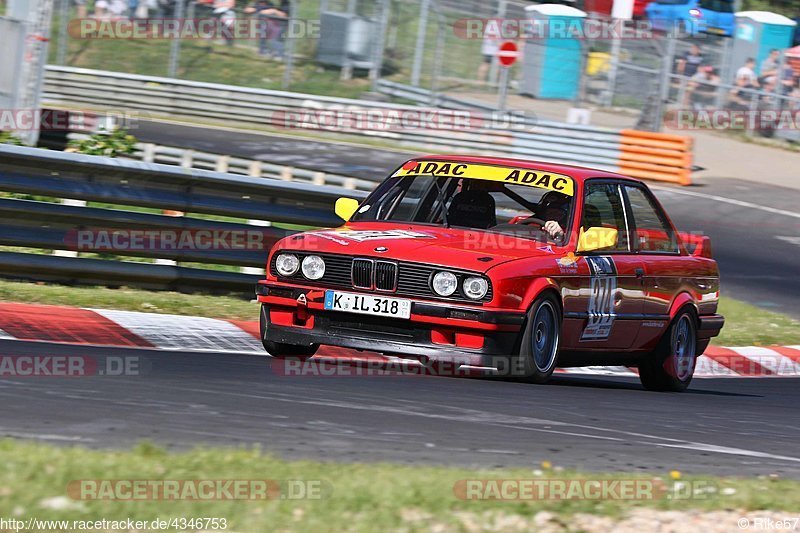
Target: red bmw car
[[515, 265]]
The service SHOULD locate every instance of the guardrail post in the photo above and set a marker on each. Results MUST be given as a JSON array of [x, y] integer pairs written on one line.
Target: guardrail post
[[255, 169], [187, 158], [222, 163], [149, 153], [287, 174], [318, 178]]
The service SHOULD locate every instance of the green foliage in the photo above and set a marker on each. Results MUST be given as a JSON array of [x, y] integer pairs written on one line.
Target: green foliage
[[110, 144], [10, 138]]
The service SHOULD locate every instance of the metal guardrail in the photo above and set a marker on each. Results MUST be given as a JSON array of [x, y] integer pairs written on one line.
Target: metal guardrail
[[121, 187], [526, 138]]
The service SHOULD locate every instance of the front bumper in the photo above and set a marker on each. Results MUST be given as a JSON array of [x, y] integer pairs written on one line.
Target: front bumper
[[439, 332]]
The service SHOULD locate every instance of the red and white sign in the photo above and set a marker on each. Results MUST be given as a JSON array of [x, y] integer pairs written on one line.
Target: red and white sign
[[508, 53]]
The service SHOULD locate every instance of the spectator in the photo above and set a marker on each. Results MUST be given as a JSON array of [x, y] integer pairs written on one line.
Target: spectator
[[489, 49], [738, 97], [702, 87], [81, 8], [690, 62], [133, 5], [101, 10], [747, 73], [259, 9], [769, 67]]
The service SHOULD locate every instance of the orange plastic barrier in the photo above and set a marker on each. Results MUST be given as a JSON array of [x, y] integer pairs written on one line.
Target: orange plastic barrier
[[656, 156]]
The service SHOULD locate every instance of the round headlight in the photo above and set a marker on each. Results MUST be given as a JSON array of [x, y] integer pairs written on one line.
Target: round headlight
[[287, 264], [445, 283], [313, 267], [475, 288]]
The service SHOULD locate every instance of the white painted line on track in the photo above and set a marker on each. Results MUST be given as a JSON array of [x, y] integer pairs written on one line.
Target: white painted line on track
[[731, 201]]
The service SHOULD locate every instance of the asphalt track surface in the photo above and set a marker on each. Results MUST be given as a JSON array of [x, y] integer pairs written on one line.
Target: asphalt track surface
[[758, 249], [732, 426], [719, 426]]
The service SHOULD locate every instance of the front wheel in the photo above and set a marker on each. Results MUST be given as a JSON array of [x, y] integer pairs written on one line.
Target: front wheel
[[538, 352], [281, 350], [670, 367]]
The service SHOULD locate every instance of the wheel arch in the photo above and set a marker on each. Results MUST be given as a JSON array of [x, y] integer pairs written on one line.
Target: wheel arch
[[681, 301]]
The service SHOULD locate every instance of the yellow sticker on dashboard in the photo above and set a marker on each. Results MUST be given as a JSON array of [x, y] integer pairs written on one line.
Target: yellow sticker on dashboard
[[510, 175]]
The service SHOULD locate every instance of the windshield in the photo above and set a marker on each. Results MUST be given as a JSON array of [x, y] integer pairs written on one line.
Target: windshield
[[480, 197]]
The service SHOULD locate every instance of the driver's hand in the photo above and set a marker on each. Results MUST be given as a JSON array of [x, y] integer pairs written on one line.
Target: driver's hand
[[554, 229]]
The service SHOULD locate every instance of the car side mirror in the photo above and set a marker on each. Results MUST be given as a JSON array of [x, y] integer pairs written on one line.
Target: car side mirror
[[597, 238], [346, 208]]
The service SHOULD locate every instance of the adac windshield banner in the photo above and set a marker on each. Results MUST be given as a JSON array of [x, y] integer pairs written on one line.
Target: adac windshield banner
[[509, 175]]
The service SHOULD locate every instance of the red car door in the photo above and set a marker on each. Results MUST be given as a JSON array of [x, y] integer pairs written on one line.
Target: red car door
[[606, 310], [664, 268]]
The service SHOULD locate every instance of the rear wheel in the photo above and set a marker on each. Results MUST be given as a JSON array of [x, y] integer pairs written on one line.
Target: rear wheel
[[670, 366], [538, 353]]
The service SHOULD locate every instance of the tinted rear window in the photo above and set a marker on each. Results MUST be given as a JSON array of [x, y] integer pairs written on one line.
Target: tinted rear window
[[720, 6]]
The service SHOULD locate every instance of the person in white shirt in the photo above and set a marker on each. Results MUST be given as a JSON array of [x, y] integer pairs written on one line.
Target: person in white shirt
[[746, 73]]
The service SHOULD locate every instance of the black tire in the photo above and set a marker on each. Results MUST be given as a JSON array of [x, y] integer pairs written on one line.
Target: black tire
[[538, 350], [670, 367], [280, 350]]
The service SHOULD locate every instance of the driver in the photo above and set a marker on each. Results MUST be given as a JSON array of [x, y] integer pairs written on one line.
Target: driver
[[553, 208]]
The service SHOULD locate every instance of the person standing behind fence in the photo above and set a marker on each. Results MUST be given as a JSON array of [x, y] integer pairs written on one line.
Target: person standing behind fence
[[746, 73], [738, 97], [688, 64], [489, 49], [769, 67], [258, 9], [81, 8], [272, 22]]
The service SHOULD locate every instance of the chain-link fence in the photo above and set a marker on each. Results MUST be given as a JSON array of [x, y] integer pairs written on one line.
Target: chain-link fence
[[334, 47]]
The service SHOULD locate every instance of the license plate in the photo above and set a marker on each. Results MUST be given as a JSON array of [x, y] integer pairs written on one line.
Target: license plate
[[367, 304]]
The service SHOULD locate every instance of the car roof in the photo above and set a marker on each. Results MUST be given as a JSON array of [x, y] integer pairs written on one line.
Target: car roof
[[576, 172]]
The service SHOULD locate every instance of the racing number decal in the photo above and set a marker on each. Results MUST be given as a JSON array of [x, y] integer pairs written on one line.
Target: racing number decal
[[601, 299]]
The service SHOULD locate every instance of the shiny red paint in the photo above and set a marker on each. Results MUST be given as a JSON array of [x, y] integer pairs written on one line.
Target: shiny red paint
[[651, 287]]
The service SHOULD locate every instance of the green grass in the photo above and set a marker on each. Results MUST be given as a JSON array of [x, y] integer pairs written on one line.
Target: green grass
[[745, 325], [354, 497], [129, 300], [208, 61]]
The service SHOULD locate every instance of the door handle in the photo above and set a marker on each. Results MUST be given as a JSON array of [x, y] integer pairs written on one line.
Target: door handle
[[639, 273]]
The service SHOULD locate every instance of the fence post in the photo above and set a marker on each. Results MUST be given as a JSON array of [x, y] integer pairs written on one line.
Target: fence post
[[422, 30], [175, 45], [288, 49], [377, 58], [665, 82], [63, 15]]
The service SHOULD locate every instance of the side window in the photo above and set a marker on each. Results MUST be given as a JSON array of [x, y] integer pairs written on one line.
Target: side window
[[603, 207], [653, 234]]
